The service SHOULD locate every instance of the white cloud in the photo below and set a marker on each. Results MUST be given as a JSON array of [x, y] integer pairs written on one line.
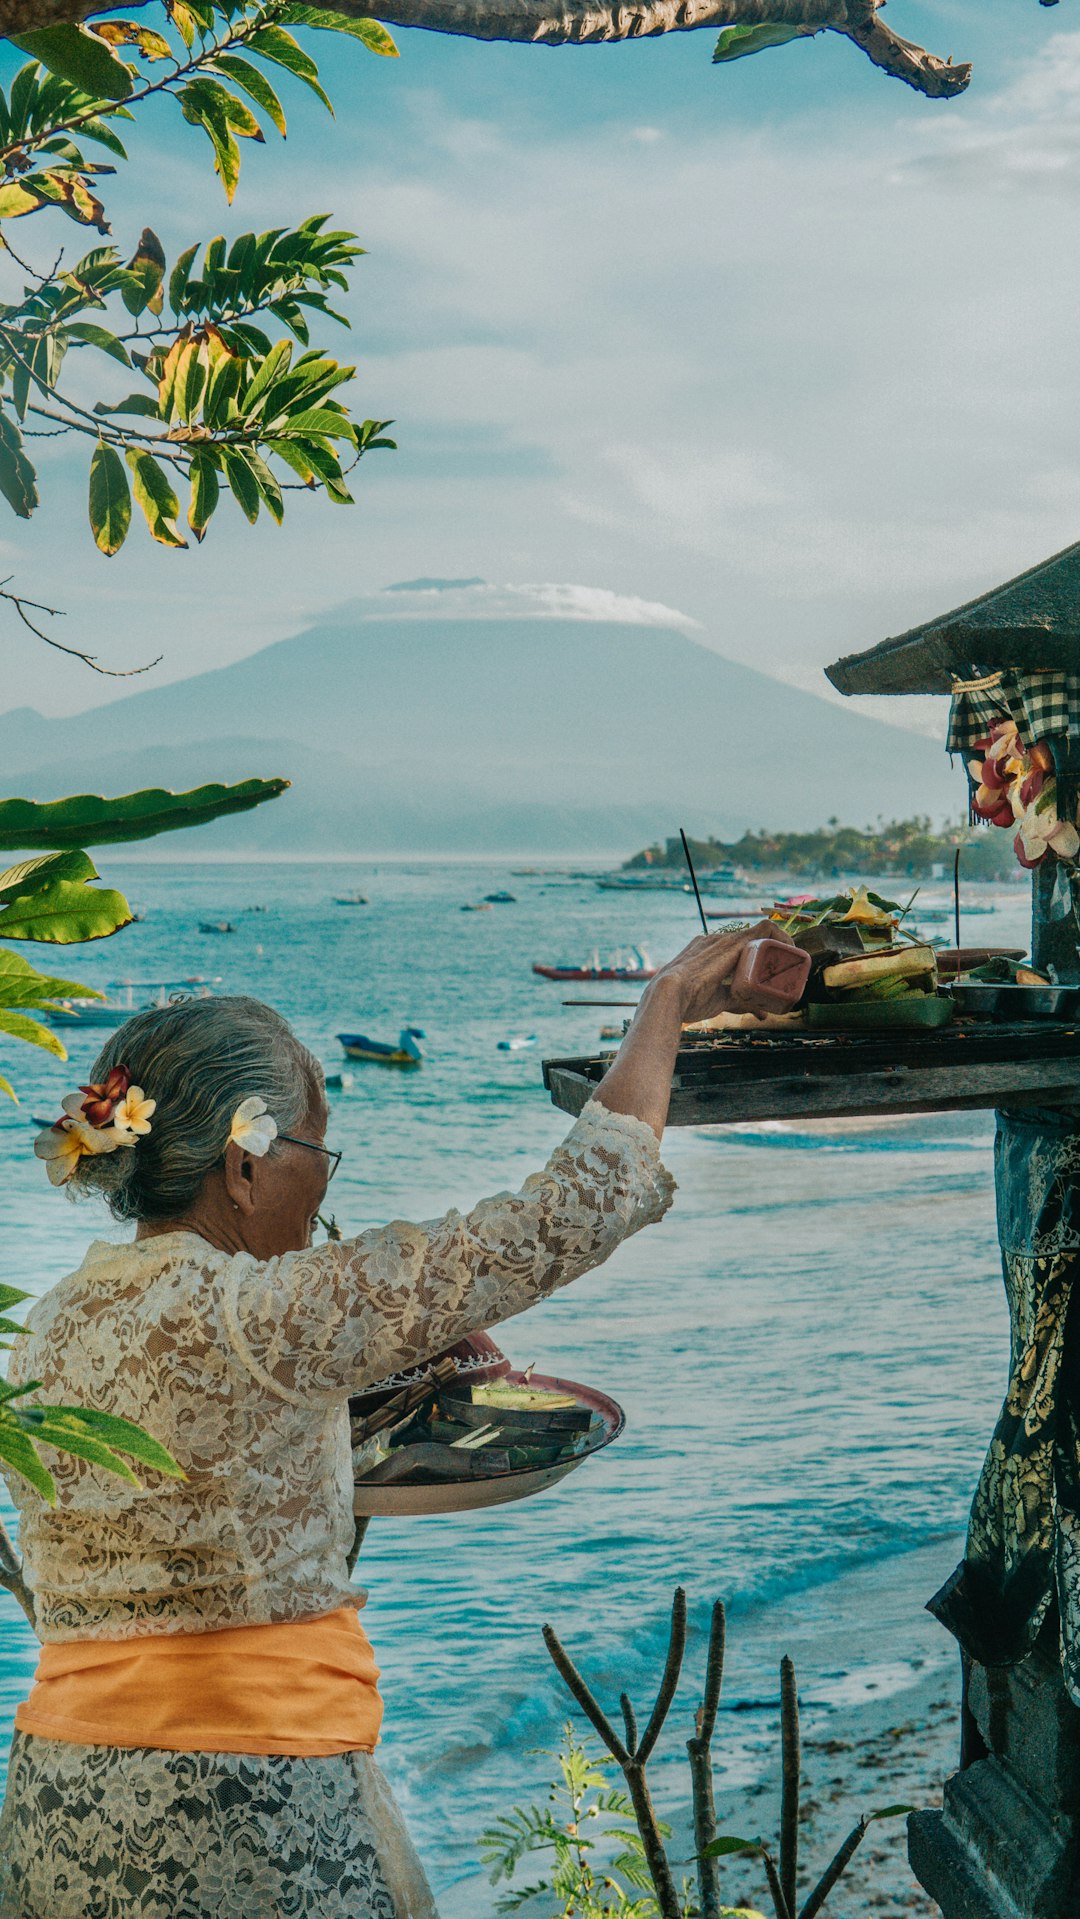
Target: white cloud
[[479, 600]]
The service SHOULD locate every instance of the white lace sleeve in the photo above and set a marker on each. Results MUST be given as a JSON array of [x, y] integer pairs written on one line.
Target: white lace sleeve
[[339, 1317]]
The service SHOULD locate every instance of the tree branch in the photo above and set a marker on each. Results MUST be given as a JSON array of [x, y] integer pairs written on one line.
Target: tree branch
[[11, 1574], [88, 659], [582, 22]]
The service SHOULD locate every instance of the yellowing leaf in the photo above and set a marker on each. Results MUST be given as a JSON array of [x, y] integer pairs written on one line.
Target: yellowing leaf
[[155, 495]]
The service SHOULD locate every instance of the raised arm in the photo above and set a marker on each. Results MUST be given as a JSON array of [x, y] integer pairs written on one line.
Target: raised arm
[[695, 985], [336, 1318]]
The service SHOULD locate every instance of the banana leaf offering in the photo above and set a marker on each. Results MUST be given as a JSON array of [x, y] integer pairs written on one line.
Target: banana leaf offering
[[461, 1430]]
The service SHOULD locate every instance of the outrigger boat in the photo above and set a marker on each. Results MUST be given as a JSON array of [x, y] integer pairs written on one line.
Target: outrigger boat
[[377, 1053], [637, 968], [113, 1012]]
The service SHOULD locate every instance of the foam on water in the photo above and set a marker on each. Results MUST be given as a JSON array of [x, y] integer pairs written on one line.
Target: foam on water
[[810, 1349]]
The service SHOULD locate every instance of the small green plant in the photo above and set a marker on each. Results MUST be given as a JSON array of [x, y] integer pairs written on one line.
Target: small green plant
[[599, 1862], [587, 1831]]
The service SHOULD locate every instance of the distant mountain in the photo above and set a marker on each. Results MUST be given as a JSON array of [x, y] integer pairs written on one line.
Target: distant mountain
[[491, 734]]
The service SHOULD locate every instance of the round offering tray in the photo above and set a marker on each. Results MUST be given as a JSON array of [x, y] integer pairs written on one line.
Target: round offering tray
[[414, 1478]]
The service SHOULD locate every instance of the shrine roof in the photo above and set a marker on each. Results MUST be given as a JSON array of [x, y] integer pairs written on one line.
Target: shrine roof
[[1031, 622]]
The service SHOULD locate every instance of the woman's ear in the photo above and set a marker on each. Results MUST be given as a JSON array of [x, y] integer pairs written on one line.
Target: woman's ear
[[240, 1177]]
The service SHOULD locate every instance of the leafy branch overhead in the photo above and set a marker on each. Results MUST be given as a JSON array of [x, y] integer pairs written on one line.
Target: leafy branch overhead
[[232, 399]]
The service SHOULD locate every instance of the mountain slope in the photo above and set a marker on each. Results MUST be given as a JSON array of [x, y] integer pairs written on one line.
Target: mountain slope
[[455, 734]]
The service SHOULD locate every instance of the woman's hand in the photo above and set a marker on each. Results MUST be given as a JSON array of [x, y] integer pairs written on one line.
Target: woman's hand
[[701, 973], [695, 985]]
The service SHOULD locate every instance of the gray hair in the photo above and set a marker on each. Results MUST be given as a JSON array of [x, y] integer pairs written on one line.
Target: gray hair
[[198, 1058]]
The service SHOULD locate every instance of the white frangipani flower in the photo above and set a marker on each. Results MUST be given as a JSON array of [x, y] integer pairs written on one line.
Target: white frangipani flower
[[253, 1129]]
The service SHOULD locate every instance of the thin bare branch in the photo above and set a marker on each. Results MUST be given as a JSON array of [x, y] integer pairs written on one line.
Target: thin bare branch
[[11, 1577], [57, 613], [672, 1669], [837, 1865], [783, 1910], [699, 1749], [791, 1764], [586, 1699], [630, 1722]]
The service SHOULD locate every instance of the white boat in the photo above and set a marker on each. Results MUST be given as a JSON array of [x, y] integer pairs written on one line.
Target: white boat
[[111, 1012], [517, 1044]]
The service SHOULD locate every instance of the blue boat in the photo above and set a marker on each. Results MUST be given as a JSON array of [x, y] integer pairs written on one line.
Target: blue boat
[[377, 1053]]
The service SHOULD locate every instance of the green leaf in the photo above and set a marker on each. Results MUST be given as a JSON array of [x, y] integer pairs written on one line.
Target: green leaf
[[736, 42], [79, 57], [269, 490], [294, 456], [179, 278], [222, 389], [22, 878], [325, 422], [18, 1452], [371, 32], [20, 1026], [255, 85], [67, 1439], [8, 1088], [88, 820], [18, 481], [110, 499], [100, 337], [12, 1296], [273, 368], [719, 1848], [205, 491], [65, 912], [154, 493], [124, 1437], [22, 985], [141, 404], [242, 482], [277, 45], [144, 274], [887, 1812], [202, 103]]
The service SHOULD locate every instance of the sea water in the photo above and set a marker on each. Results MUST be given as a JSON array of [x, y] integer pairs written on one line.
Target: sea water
[[810, 1349]]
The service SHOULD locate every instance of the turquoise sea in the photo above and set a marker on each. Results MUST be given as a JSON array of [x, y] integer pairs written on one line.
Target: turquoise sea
[[810, 1350]]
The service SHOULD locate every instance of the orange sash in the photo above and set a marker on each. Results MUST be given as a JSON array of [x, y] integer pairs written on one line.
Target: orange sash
[[307, 1689]]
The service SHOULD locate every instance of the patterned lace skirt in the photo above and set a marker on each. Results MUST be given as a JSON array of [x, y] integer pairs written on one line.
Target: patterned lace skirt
[[93, 1832]]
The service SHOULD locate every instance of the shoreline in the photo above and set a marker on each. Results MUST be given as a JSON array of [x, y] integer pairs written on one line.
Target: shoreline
[[879, 1685]]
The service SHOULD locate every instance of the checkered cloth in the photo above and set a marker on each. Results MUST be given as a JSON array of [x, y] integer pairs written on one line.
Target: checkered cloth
[[1041, 704]]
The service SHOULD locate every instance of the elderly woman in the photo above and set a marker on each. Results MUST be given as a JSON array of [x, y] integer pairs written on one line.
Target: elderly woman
[[198, 1740]]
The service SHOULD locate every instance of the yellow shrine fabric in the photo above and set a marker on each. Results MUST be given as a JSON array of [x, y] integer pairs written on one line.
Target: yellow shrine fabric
[[243, 1369]]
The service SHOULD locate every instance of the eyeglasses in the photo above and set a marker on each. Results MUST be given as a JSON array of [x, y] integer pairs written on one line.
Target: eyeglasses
[[332, 1156]]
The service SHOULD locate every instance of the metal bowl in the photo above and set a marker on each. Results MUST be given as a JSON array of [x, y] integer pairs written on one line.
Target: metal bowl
[[1006, 1002], [476, 1488]]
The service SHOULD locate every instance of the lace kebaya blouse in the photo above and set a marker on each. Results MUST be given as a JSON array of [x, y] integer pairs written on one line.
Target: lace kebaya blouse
[[243, 1368]]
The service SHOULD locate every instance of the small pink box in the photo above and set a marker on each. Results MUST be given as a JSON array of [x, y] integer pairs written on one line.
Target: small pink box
[[774, 974]]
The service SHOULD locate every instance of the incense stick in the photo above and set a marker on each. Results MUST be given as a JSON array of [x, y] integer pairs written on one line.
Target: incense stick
[[693, 877], [956, 896]]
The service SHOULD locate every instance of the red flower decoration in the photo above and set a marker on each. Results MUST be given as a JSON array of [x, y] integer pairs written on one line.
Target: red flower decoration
[[101, 1101]]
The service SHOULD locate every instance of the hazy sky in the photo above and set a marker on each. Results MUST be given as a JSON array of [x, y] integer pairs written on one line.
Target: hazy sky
[[781, 345]]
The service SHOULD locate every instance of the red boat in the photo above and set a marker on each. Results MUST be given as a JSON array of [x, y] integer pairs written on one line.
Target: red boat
[[634, 971]]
